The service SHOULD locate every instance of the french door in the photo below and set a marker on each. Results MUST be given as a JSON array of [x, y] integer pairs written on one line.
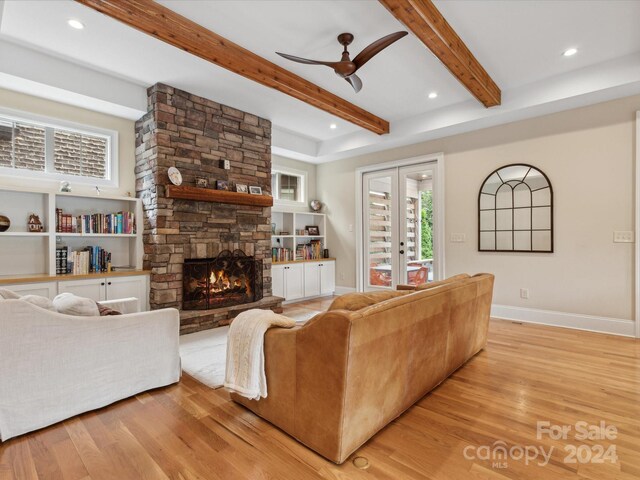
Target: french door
[[399, 241]]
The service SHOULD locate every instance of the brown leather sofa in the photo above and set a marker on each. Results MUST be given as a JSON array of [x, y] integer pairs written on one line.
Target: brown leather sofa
[[339, 379]]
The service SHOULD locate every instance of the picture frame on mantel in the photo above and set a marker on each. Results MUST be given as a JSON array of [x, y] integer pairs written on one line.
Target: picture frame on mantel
[[255, 190]]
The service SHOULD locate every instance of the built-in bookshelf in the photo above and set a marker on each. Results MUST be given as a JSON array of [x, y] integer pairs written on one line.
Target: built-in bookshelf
[[290, 237], [34, 253]]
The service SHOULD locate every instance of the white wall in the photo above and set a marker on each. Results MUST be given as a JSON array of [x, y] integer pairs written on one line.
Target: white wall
[[588, 154], [126, 139]]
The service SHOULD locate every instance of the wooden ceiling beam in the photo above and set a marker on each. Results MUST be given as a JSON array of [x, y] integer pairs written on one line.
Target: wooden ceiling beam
[[427, 23], [166, 25]]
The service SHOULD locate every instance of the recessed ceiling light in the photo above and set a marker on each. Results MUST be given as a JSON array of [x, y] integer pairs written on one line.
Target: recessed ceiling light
[[570, 52], [433, 94], [333, 126], [77, 24]]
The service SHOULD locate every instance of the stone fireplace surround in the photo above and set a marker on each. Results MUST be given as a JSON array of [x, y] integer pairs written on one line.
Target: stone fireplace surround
[[194, 134]]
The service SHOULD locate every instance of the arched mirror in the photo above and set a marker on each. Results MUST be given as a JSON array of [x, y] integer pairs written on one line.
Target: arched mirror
[[515, 208]]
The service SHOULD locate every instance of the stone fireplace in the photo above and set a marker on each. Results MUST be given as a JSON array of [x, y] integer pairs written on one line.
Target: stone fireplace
[[196, 135]]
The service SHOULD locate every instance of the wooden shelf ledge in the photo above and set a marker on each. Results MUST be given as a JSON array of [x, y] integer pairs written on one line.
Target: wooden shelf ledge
[[43, 277], [219, 196]]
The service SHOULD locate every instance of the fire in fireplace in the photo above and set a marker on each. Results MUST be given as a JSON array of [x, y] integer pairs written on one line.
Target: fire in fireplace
[[232, 278]]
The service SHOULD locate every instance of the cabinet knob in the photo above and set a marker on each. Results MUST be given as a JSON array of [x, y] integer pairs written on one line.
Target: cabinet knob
[[108, 283], [102, 284]]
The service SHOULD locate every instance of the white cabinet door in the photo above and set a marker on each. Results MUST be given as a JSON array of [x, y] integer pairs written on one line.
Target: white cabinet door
[[94, 288], [277, 280], [294, 281], [327, 278], [46, 289], [312, 279], [125, 287]]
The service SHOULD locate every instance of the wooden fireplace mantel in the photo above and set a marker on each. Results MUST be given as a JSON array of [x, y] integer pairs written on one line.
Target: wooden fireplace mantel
[[220, 196]]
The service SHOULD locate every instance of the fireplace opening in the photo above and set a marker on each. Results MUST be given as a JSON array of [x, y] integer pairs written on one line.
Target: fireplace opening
[[232, 278]]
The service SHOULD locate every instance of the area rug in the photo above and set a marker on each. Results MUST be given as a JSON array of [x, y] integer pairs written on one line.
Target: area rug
[[204, 354]]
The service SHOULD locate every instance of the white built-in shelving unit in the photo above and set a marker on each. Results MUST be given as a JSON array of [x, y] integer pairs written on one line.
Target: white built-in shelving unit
[[292, 222], [23, 253]]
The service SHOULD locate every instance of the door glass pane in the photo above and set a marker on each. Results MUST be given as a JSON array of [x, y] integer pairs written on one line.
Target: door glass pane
[[379, 204], [418, 251]]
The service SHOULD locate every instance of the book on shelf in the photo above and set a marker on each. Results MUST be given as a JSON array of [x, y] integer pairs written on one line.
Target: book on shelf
[[279, 254], [91, 259], [309, 251], [62, 254], [110, 223]]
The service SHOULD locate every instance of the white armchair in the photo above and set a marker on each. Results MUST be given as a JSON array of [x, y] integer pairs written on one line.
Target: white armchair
[[55, 366]]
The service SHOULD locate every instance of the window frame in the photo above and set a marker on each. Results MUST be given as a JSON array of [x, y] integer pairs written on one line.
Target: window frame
[[50, 124], [303, 186]]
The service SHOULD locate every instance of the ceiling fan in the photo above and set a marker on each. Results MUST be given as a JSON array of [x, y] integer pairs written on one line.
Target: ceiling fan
[[346, 68]]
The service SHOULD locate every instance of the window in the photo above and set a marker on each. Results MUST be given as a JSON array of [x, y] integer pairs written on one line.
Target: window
[[36, 148], [288, 186]]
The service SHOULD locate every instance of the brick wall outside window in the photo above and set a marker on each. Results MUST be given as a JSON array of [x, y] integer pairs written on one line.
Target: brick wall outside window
[[23, 146], [29, 147]]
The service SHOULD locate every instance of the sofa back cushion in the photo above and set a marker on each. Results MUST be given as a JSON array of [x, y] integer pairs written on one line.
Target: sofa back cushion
[[359, 300], [70, 304]]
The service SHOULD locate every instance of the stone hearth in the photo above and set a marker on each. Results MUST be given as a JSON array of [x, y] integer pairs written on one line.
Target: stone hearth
[[195, 134]]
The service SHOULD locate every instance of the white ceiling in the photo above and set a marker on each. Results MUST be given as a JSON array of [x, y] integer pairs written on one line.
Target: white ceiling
[[518, 42]]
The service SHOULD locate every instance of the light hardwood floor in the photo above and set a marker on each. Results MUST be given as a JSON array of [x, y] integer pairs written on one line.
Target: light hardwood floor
[[527, 373]]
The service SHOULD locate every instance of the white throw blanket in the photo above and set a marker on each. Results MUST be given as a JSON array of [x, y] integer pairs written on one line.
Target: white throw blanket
[[245, 373]]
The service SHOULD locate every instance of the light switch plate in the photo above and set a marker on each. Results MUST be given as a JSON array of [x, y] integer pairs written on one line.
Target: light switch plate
[[458, 237], [622, 237], [225, 164]]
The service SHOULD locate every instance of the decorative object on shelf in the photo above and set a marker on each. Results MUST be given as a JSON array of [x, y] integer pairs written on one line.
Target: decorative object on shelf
[[255, 190], [325, 253], [5, 223], [273, 228], [65, 187], [34, 224], [316, 205], [225, 164], [313, 229], [222, 185], [241, 188], [97, 190], [282, 233], [515, 211], [202, 182], [175, 176]]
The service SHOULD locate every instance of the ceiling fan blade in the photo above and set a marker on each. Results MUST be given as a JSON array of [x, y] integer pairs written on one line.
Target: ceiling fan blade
[[306, 60], [376, 47], [355, 82]]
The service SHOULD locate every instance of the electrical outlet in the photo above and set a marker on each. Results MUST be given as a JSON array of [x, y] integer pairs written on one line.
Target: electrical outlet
[[350, 228], [458, 237], [341, 275], [524, 293], [225, 164], [622, 237]]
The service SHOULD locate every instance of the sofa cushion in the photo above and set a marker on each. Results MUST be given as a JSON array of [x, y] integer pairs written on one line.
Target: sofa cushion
[[426, 286], [70, 304], [8, 294], [38, 301], [359, 300]]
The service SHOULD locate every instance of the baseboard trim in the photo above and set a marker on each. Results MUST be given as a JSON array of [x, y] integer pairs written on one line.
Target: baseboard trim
[[343, 290], [577, 321]]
